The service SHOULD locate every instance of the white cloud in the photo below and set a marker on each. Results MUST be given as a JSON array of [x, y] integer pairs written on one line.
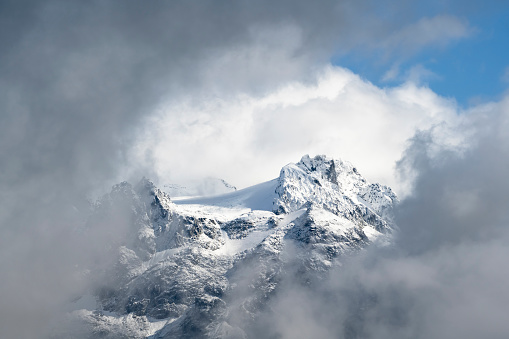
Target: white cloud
[[247, 139]]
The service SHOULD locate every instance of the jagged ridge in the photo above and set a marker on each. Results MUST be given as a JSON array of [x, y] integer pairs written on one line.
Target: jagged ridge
[[181, 264]]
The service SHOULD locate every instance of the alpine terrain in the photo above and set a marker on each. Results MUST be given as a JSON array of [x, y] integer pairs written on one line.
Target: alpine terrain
[[208, 267]]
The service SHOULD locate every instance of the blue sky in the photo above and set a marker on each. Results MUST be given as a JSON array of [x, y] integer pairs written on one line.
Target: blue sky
[[471, 69]]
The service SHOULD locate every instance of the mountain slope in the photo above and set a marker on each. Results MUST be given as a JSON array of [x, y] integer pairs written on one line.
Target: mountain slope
[[207, 267]]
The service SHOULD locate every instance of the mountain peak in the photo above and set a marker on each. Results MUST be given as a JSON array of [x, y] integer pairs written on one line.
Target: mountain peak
[[337, 187], [320, 163], [180, 261]]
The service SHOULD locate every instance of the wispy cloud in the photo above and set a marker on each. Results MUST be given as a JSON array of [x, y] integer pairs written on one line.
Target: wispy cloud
[[437, 31], [505, 75], [417, 74]]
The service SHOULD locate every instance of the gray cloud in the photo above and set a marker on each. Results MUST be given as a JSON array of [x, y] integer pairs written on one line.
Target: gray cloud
[[459, 195], [77, 77]]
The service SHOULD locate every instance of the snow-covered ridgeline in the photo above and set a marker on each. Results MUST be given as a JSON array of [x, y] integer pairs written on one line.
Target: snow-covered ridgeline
[[182, 257]]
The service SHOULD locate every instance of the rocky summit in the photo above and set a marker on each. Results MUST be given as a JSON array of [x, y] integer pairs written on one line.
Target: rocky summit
[[209, 267]]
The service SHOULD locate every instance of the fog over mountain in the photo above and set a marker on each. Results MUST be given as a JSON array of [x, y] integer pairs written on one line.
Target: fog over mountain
[[98, 93]]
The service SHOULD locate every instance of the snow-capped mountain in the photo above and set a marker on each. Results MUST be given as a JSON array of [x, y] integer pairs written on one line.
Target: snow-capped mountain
[[206, 267]]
